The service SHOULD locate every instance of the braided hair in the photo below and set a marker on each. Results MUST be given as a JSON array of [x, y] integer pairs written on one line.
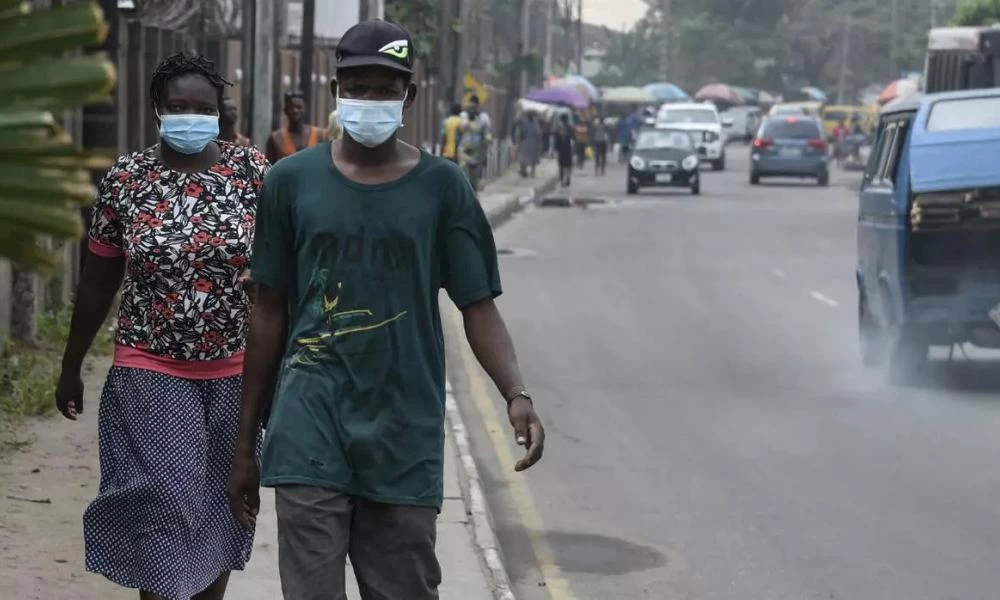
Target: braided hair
[[181, 64]]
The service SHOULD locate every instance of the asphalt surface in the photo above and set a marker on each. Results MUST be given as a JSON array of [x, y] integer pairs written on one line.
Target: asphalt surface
[[712, 434]]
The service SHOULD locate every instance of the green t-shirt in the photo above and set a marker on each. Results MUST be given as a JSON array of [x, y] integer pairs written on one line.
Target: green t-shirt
[[359, 405]]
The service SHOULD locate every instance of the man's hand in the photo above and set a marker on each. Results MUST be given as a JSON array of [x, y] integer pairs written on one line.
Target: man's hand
[[528, 431], [244, 490]]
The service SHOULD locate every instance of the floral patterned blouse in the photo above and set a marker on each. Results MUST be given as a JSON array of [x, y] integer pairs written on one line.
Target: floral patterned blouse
[[187, 239]]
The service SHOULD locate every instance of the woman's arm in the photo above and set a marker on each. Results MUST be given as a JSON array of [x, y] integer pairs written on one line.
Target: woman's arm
[[99, 282]]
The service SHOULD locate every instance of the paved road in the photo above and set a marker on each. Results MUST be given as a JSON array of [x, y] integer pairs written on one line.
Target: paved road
[[712, 435]]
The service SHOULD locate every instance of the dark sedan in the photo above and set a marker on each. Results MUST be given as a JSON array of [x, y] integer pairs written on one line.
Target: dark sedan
[[664, 157]]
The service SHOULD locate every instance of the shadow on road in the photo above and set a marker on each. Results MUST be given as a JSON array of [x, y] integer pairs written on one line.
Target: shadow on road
[[958, 375]]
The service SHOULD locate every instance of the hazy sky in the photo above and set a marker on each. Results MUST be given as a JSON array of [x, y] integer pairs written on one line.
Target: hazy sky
[[613, 13]]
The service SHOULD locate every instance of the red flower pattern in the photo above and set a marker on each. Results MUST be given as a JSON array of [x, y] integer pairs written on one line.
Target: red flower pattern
[[180, 298]]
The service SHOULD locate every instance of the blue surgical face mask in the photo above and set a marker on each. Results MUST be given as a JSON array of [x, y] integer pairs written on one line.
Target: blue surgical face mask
[[188, 134], [370, 122]]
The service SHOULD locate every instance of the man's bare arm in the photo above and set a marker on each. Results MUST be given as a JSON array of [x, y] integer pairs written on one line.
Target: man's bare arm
[[491, 343]]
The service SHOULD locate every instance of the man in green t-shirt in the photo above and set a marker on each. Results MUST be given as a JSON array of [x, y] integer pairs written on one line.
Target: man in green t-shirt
[[354, 240]]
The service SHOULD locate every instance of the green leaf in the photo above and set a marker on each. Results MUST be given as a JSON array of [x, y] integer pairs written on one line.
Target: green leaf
[[49, 32], [44, 219], [56, 83]]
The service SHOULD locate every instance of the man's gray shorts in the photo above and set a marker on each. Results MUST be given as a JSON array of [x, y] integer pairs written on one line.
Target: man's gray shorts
[[391, 546]]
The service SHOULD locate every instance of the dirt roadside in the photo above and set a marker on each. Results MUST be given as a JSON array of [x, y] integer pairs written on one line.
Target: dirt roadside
[[44, 490]]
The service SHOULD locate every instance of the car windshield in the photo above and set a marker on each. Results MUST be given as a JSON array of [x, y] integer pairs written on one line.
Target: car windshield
[[652, 138], [791, 128], [687, 115], [967, 113]]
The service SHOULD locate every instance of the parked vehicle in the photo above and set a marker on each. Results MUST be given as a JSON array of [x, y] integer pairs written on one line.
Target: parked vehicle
[[665, 157], [790, 147], [834, 114], [703, 121], [962, 58], [929, 230], [745, 122], [796, 108]]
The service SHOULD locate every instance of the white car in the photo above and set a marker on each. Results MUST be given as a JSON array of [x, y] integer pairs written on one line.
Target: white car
[[700, 119]]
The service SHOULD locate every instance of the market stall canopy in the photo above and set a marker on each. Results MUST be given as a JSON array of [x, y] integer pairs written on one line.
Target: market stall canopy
[[562, 96], [814, 93], [525, 105], [719, 92], [626, 95], [749, 95], [582, 83], [666, 92], [897, 89]]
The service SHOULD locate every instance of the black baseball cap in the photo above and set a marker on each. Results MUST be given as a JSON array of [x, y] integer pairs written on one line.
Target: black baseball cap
[[376, 42]]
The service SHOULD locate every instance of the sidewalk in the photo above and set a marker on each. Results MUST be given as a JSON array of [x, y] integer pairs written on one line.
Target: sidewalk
[[45, 488]]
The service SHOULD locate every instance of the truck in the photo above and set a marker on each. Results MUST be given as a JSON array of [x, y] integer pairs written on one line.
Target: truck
[[962, 58]]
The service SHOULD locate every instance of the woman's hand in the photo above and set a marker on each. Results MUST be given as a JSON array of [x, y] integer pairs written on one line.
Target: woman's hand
[[69, 395]]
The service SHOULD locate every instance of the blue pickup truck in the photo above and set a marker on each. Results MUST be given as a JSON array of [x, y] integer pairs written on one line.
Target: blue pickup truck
[[929, 230]]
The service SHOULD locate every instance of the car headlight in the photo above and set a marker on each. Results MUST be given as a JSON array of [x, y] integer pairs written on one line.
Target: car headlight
[[690, 163], [710, 136], [637, 163]]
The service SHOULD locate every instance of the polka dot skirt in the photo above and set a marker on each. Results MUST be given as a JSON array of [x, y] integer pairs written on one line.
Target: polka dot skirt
[[161, 521]]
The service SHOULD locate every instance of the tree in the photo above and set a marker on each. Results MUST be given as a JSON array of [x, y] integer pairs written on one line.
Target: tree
[[44, 179], [977, 12]]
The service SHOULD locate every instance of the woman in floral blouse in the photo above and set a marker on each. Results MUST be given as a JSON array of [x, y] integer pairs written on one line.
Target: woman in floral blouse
[[172, 229]]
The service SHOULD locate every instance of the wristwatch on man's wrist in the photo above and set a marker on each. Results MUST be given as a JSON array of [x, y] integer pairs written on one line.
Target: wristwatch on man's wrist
[[520, 393]]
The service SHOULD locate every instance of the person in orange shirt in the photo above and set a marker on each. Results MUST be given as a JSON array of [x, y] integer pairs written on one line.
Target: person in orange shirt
[[297, 134]]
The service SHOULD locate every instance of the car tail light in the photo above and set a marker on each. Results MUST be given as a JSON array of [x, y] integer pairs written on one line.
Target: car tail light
[[763, 143], [817, 144]]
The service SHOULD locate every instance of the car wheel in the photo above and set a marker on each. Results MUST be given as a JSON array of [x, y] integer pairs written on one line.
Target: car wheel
[[754, 178], [632, 188], [824, 179]]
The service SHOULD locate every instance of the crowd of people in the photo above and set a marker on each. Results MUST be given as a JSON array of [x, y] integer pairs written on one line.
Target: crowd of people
[[278, 325]]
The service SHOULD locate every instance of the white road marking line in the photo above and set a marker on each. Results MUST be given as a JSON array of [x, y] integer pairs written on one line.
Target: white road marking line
[[824, 299], [778, 272]]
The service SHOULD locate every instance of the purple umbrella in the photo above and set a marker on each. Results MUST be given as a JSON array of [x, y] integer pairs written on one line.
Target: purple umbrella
[[565, 96]]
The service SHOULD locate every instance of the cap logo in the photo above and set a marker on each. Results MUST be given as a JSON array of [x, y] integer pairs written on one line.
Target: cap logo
[[399, 49]]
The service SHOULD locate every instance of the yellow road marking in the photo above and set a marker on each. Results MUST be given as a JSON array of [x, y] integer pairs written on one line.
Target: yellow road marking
[[499, 430]]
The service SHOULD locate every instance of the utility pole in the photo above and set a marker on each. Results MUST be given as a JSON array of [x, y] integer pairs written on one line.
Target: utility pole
[[247, 17], [666, 11], [306, 38], [525, 32], [579, 37], [844, 53], [894, 37], [263, 70], [550, 19]]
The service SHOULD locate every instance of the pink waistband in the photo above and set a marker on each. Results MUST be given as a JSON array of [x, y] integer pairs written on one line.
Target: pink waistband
[[126, 356]]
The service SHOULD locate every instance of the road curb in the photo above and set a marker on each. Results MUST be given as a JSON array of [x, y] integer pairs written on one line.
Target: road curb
[[513, 203], [483, 532], [473, 496]]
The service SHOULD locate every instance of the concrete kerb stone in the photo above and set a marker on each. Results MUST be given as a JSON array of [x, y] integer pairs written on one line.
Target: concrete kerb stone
[[483, 529], [484, 537]]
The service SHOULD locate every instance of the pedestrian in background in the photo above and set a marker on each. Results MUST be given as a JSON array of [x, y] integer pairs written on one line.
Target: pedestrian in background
[[528, 138], [599, 138], [451, 133], [228, 121], [563, 142], [333, 129], [581, 131], [172, 229], [473, 148], [355, 441], [297, 134]]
